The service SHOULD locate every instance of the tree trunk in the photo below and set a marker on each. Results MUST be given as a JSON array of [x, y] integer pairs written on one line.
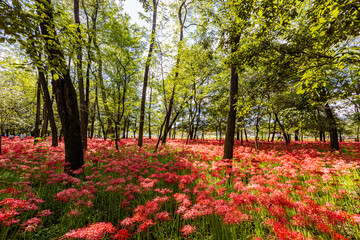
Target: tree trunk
[[246, 138], [49, 109], [340, 137], [168, 114], [282, 129], [128, 128], [45, 122], [216, 133], [146, 74], [63, 89], [1, 139], [257, 132], [124, 129], [60, 134], [269, 127], [83, 110], [274, 131], [238, 133], [150, 113], [37, 118], [334, 140], [296, 135], [177, 65], [116, 136], [241, 138], [231, 119]]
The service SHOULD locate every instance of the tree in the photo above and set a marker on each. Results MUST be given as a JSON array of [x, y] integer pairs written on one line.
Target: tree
[[146, 73], [63, 88]]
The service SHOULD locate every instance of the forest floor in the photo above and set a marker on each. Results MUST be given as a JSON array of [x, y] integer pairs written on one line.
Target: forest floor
[[298, 191]]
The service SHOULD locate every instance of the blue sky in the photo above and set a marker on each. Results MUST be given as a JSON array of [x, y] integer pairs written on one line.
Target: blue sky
[[132, 7]]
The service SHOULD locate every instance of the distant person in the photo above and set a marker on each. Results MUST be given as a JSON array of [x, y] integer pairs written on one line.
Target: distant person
[[11, 136], [22, 136]]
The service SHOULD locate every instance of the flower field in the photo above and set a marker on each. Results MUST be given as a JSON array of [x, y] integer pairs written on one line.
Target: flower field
[[299, 191]]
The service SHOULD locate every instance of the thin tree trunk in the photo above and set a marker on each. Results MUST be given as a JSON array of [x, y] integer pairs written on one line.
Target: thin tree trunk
[[182, 20], [257, 132], [238, 132], [116, 136], [269, 127], [83, 110], [334, 140], [60, 134], [216, 133], [37, 118], [274, 131], [146, 75], [241, 138], [231, 119], [128, 128], [63, 89], [49, 110], [124, 129], [246, 138], [1, 139], [150, 113], [45, 122], [282, 129]]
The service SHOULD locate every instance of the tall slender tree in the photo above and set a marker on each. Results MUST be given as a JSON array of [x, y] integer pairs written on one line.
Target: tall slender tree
[[146, 73]]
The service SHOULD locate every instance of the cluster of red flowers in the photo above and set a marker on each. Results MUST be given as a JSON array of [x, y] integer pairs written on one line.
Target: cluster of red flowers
[[289, 190]]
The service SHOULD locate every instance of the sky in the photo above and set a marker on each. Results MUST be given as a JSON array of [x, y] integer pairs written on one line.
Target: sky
[[132, 7]]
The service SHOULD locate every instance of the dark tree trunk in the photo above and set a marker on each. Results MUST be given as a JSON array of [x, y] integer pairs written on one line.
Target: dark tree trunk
[[168, 114], [274, 131], [128, 128], [238, 133], [37, 118], [150, 113], [340, 137], [92, 126], [257, 132], [286, 136], [197, 122], [246, 138], [49, 109], [231, 119], [124, 129], [60, 134], [220, 133], [116, 136], [241, 138], [146, 75], [296, 135], [63, 89], [216, 133], [269, 127], [45, 122], [334, 140], [83, 110], [160, 134]]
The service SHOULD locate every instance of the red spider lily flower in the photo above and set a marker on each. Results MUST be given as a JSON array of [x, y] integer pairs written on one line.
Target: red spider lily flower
[[93, 232], [122, 234], [187, 229]]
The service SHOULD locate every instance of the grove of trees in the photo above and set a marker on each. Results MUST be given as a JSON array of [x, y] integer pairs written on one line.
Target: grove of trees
[[283, 69]]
